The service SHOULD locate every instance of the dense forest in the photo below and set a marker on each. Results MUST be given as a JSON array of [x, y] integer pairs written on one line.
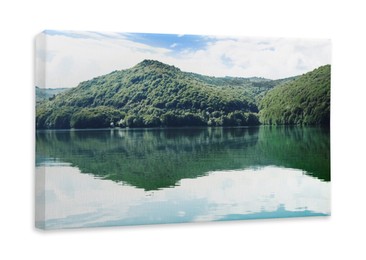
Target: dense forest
[[304, 101], [154, 94]]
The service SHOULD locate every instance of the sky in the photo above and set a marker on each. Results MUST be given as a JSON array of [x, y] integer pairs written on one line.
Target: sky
[[66, 58]]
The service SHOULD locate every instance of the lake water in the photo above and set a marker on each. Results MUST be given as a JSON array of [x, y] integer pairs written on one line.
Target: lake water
[[152, 176]]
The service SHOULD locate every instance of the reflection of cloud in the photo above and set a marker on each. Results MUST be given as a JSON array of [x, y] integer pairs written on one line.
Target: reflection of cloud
[[75, 200], [116, 51], [75, 194], [254, 191]]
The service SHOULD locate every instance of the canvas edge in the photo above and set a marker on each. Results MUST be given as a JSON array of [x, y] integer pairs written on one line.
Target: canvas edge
[[40, 76]]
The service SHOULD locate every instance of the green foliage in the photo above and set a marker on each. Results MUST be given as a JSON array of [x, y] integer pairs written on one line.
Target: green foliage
[[152, 94], [188, 119], [98, 117], [304, 101], [45, 118]]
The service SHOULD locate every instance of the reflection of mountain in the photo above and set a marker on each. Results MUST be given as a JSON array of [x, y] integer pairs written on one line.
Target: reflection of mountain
[[157, 158], [148, 159], [302, 148]]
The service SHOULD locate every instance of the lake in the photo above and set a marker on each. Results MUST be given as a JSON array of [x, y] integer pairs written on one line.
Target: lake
[[116, 177]]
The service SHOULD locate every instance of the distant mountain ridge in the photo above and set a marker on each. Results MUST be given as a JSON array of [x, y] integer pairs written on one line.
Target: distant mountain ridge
[[43, 94], [154, 94]]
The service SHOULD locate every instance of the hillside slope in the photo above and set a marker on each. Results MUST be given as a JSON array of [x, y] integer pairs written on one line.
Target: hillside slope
[[153, 94], [304, 101]]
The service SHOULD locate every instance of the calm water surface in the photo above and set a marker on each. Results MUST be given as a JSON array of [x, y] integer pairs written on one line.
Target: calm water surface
[[150, 176]]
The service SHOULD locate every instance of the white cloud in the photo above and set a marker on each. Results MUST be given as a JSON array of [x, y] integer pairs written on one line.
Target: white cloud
[[174, 45], [71, 60], [278, 58]]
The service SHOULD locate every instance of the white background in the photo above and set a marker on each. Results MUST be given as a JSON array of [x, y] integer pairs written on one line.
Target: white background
[[341, 235]]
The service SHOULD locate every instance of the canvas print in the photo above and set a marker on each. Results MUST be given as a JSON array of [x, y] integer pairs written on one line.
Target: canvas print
[[137, 128]]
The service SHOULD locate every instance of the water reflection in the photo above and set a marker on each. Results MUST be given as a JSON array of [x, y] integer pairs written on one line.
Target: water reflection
[[156, 158], [149, 176], [79, 200]]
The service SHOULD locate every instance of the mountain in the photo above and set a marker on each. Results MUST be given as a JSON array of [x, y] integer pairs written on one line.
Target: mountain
[[304, 101], [154, 94], [43, 94]]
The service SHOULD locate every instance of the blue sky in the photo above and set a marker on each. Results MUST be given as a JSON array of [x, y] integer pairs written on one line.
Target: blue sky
[[174, 42], [74, 56]]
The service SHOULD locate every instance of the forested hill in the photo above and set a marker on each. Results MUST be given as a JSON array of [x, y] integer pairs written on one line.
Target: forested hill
[[154, 94], [304, 101]]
